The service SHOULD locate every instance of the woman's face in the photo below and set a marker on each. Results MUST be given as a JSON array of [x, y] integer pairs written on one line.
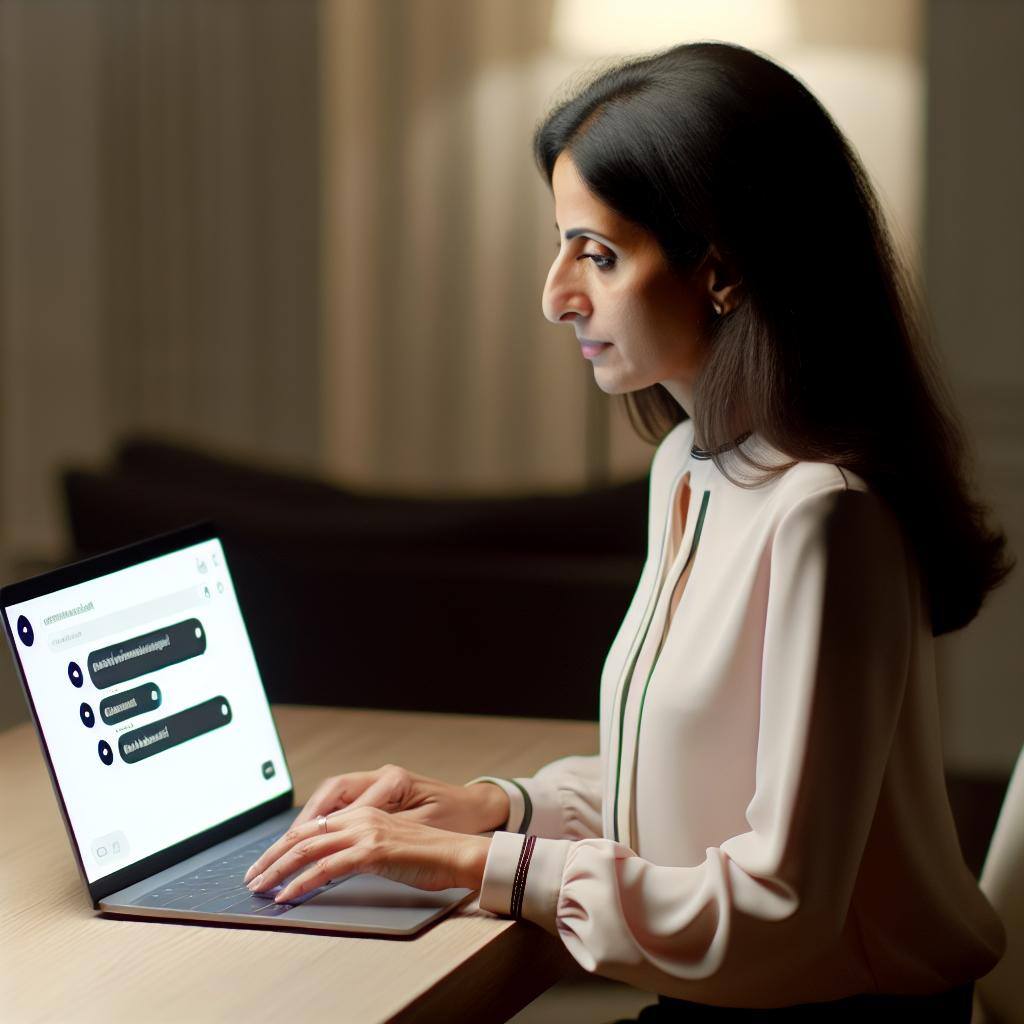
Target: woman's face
[[612, 282]]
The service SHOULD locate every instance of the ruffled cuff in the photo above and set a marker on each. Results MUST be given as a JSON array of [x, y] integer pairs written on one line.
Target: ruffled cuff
[[523, 877]]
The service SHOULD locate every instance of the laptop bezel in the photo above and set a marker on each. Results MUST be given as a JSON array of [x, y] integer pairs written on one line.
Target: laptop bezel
[[82, 572]]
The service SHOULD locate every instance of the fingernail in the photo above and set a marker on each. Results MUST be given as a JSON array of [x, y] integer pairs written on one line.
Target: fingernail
[[248, 873], [255, 883], [280, 897]]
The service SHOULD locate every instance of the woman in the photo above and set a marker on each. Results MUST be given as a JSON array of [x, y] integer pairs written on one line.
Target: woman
[[766, 826]]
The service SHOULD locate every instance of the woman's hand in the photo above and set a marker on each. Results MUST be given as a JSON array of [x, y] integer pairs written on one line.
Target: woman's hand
[[471, 809], [368, 840]]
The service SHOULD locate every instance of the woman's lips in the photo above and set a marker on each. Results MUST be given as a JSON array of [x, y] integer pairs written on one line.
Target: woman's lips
[[591, 349]]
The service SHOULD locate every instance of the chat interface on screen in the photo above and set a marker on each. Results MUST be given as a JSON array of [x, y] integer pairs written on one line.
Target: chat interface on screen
[[150, 704]]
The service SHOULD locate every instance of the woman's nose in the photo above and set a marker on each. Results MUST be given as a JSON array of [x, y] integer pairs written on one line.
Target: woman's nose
[[563, 299]]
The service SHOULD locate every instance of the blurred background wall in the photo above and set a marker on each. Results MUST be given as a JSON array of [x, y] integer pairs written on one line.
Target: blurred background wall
[[310, 234]]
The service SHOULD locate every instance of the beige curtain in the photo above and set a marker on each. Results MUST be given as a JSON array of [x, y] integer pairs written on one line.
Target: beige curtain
[[159, 237], [440, 373], [305, 232], [209, 178], [51, 404]]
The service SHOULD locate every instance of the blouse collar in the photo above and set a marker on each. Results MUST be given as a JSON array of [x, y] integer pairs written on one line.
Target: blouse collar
[[703, 453]]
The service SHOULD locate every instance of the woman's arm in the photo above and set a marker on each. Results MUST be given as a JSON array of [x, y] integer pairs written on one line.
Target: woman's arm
[[561, 801], [765, 904]]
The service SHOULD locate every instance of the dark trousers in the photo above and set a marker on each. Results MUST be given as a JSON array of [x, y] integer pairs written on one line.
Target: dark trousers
[[952, 1007]]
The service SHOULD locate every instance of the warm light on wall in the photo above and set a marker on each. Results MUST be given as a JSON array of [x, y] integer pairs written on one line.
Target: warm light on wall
[[856, 74], [614, 27]]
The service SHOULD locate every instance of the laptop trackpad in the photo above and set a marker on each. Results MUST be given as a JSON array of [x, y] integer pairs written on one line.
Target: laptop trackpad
[[374, 901]]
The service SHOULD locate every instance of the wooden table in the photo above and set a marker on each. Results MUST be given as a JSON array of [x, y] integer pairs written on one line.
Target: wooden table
[[60, 960]]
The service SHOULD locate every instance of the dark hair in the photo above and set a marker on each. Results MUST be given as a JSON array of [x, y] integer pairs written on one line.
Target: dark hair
[[713, 147]]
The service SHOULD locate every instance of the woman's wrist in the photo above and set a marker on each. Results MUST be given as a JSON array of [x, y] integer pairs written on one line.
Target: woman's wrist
[[491, 805], [473, 860]]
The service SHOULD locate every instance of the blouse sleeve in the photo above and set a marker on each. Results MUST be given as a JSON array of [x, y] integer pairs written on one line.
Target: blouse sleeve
[[562, 800], [840, 614]]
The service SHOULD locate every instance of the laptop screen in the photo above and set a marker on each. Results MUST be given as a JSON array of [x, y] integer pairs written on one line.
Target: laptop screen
[[150, 703]]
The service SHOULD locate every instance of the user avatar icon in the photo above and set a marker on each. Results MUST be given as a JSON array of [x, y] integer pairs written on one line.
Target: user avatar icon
[[75, 674], [88, 718], [25, 631], [106, 754]]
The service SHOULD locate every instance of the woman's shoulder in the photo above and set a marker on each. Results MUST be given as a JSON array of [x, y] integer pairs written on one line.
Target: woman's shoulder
[[822, 495], [824, 488], [786, 480], [804, 479]]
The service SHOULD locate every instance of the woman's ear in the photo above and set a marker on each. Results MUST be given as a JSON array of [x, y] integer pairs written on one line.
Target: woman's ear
[[722, 282]]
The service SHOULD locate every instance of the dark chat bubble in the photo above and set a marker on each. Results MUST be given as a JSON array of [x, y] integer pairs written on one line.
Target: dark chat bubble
[[147, 740], [136, 701], [25, 631], [147, 653]]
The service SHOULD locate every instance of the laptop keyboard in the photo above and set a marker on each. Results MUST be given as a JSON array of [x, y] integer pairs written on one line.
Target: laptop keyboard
[[217, 887]]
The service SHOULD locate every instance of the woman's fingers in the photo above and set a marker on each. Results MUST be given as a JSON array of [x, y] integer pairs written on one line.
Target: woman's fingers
[[385, 787], [312, 806], [369, 840], [333, 794], [326, 797], [330, 866], [291, 860], [388, 792], [388, 789], [298, 846], [278, 849], [337, 792]]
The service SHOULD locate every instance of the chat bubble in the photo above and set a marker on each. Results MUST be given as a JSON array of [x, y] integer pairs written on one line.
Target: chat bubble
[[156, 737], [25, 631], [147, 653], [136, 701], [125, 620]]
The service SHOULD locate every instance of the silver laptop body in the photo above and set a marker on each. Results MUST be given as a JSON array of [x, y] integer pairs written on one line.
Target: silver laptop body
[[161, 745]]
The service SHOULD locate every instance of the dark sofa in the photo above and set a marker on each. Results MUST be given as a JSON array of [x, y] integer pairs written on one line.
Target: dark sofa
[[482, 605]]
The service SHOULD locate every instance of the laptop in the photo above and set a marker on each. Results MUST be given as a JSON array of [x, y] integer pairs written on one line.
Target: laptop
[[161, 746]]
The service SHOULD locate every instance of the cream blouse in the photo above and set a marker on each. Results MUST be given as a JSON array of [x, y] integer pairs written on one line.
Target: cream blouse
[[767, 822]]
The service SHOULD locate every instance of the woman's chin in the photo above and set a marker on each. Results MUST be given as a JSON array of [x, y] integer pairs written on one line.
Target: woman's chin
[[608, 387], [612, 383]]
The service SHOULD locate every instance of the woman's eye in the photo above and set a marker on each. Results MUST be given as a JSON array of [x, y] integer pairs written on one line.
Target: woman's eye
[[601, 262]]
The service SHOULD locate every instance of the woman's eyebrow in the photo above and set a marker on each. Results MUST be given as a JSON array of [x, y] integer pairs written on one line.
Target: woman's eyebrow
[[573, 232]]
